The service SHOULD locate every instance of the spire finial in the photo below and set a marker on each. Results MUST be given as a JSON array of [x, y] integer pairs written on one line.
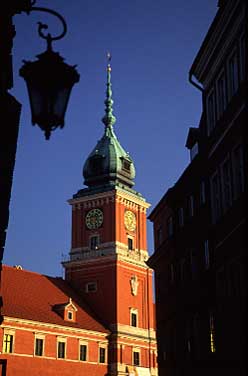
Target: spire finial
[[109, 119]]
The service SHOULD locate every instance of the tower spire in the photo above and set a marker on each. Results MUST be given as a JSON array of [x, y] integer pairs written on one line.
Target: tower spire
[[108, 119]]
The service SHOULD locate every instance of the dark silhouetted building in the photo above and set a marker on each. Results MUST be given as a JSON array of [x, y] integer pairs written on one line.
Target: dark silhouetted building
[[199, 224]]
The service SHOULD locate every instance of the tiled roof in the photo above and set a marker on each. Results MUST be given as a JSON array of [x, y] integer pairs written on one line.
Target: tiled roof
[[32, 296]]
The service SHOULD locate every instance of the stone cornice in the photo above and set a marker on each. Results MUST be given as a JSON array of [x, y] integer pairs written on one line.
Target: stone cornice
[[48, 328], [129, 199]]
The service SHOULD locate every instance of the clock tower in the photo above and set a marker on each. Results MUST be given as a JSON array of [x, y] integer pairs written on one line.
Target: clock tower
[[107, 260]]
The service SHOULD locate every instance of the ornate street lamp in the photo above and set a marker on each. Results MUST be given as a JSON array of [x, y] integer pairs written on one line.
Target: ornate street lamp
[[49, 82]]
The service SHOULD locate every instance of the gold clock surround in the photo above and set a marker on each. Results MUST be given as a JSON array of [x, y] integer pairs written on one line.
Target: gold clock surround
[[94, 219], [130, 220]]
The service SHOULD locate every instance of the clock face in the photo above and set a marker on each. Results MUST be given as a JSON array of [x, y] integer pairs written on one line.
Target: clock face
[[129, 220], [94, 219]]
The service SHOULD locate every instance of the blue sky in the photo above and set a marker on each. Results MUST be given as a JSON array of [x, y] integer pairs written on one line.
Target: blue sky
[[153, 44]]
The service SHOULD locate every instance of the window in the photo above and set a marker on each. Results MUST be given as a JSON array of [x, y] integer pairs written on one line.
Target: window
[[221, 282], [234, 279], [181, 217], [221, 95], [70, 315], [61, 349], [191, 206], [126, 164], [102, 354], [130, 243], [182, 269], [136, 358], [194, 151], [242, 57], [233, 80], [216, 203], [193, 264], [238, 171], [202, 193], [170, 226], [159, 235], [94, 242], [39, 342], [83, 352], [226, 184], [212, 332], [171, 273], [211, 111], [134, 319], [8, 343], [91, 287], [206, 254]]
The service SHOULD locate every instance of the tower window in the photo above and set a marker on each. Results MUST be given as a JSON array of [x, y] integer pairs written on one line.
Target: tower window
[[39, 342], [94, 242], [130, 243], [126, 164], [134, 317], [69, 315], [8, 343], [136, 358], [91, 287]]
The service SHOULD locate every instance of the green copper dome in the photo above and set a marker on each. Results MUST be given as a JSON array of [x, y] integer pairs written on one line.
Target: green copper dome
[[108, 163]]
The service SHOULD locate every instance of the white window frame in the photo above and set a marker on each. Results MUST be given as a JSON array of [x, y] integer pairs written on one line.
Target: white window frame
[[82, 343], [131, 239], [136, 350], [38, 336], [134, 311], [61, 340], [102, 346], [11, 332]]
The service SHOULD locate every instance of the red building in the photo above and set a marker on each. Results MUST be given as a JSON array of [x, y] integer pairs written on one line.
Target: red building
[[99, 320]]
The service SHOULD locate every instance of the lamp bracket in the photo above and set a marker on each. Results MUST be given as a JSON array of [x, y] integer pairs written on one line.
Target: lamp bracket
[[42, 26]]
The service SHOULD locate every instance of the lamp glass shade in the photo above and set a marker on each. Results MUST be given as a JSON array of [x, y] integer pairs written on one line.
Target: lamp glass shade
[[49, 81]]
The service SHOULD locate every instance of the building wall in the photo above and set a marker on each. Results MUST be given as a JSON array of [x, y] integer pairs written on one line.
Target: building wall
[[22, 360], [200, 264]]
